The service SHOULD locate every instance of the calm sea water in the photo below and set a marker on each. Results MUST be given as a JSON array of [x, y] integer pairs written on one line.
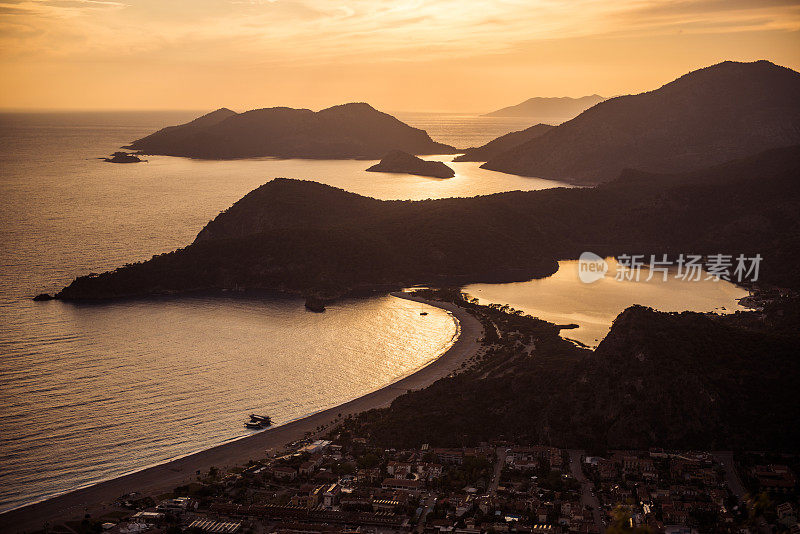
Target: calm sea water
[[92, 391]]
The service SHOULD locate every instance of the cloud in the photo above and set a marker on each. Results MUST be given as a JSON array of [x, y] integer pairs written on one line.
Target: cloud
[[263, 32], [684, 8], [708, 15], [6, 9], [83, 3], [49, 6], [41, 12]]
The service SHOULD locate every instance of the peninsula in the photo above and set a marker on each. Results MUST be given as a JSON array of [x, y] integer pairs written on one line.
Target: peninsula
[[504, 142], [318, 241]]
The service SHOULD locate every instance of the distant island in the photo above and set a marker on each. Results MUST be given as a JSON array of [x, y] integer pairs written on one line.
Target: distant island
[[716, 114], [403, 162], [354, 130], [122, 157], [315, 240], [549, 107], [503, 143]]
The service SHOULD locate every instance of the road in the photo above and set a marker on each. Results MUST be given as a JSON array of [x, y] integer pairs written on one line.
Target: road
[[731, 476], [498, 470], [735, 484], [430, 502], [587, 497]]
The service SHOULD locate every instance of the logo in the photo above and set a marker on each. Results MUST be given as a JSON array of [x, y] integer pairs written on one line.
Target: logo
[[686, 267], [591, 267]]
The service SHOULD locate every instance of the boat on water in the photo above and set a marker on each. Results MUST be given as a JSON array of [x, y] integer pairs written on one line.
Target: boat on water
[[257, 422]]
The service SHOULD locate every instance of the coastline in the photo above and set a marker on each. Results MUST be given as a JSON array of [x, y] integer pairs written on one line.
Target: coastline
[[97, 499]]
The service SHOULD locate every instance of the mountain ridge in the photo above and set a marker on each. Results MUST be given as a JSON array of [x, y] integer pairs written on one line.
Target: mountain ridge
[[559, 107], [504, 142], [705, 117]]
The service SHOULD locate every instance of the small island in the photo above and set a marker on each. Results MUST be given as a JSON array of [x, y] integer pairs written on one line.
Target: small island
[[403, 162], [315, 304], [123, 157]]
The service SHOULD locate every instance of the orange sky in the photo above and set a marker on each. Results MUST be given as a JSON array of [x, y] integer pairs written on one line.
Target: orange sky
[[427, 55]]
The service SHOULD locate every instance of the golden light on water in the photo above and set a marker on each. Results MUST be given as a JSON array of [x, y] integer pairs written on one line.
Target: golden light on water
[[563, 299]]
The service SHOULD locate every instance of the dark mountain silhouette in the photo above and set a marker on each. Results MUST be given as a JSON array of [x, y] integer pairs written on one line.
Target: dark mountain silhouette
[[347, 131], [676, 380], [686, 380], [403, 162], [209, 119], [308, 238], [709, 116], [503, 143], [549, 107], [175, 136]]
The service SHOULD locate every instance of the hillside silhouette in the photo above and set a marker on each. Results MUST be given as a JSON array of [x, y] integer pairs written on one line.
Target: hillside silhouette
[[503, 143], [548, 107], [706, 117], [354, 130], [676, 380], [307, 238]]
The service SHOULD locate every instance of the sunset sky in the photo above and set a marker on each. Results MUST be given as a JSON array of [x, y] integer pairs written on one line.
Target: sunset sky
[[442, 55]]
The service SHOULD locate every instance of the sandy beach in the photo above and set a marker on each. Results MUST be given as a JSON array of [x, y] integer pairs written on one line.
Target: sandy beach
[[97, 499]]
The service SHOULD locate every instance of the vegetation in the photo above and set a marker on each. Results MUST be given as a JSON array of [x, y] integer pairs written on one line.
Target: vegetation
[[677, 380], [308, 238]]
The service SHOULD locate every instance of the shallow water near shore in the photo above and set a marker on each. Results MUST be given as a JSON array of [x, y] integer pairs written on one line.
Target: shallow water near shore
[[93, 391], [563, 299]]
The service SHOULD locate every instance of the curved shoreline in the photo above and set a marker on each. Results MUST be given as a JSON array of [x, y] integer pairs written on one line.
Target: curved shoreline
[[97, 499]]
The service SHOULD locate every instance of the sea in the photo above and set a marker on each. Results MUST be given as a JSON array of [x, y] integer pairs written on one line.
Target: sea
[[93, 391]]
